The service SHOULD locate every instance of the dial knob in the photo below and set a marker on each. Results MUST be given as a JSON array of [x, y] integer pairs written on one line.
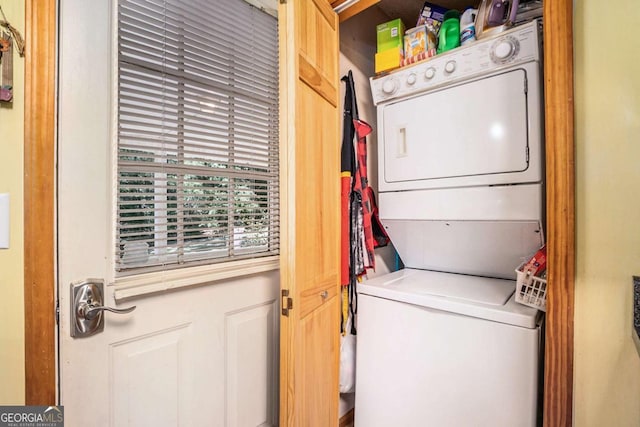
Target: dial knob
[[450, 66], [411, 79], [389, 86], [430, 73], [504, 50]]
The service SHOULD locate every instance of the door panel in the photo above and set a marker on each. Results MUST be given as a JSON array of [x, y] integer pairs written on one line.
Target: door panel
[[314, 377], [317, 33], [310, 214], [249, 380], [158, 361], [199, 356]]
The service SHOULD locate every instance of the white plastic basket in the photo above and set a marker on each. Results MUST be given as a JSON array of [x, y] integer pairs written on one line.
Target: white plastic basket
[[531, 290]]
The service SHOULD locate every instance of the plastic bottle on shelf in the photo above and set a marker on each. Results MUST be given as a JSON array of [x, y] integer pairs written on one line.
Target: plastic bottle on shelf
[[468, 26], [449, 36]]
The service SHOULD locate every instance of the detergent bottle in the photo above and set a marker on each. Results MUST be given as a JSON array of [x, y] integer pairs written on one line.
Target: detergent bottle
[[468, 26], [449, 36]]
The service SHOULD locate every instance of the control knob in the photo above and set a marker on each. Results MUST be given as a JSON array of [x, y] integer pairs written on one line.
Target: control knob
[[430, 73], [389, 86], [504, 50], [411, 80], [450, 66]]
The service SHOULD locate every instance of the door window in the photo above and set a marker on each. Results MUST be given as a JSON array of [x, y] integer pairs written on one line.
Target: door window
[[197, 134]]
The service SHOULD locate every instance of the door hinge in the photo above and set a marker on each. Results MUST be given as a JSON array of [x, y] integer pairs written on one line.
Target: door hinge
[[526, 85], [57, 312], [287, 303], [283, 1]]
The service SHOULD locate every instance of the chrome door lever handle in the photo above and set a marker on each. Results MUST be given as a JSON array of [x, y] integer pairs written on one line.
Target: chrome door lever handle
[[90, 311], [87, 305]]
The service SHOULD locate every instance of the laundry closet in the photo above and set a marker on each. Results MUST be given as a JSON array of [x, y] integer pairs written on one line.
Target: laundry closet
[[462, 197]]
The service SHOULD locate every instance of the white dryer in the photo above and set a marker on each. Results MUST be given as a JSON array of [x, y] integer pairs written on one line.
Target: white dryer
[[443, 342]]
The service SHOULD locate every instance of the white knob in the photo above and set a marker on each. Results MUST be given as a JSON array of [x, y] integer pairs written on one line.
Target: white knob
[[411, 79], [430, 73], [389, 86], [504, 49], [450, 66]]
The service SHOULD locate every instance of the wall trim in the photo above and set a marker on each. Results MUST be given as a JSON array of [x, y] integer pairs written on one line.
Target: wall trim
[[39, 214], [40, 186], [560, 164]]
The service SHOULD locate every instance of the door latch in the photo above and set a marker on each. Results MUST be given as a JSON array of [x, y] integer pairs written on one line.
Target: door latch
[[287, 303], [87, 308]]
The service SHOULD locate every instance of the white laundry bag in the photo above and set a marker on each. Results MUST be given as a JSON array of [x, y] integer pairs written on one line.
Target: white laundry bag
[[348, 360]]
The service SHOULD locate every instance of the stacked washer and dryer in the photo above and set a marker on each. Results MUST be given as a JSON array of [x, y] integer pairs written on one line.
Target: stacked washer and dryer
[[461, 194]]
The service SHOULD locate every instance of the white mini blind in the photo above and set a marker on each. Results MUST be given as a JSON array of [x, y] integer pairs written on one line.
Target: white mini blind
[[197, 133]]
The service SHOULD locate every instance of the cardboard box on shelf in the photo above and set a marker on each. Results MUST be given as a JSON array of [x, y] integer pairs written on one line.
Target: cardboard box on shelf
[[388, 60], [432, 16], [390, 35]]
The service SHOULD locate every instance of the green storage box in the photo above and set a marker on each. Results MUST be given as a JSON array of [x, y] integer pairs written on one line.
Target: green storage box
[[390, 35]]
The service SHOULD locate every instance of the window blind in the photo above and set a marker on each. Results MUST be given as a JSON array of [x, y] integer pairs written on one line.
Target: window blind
[[197, 168]]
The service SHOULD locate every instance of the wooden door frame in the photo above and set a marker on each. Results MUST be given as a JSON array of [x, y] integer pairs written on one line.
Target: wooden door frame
[[560, 169], [39, 207], [39, 217]]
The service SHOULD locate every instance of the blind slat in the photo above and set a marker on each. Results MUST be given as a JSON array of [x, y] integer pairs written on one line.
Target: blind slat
[[182, 39], [186, 125], [188, 76], [148, 167]]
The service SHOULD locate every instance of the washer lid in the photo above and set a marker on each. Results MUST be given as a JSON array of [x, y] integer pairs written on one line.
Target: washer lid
[[481, 297]]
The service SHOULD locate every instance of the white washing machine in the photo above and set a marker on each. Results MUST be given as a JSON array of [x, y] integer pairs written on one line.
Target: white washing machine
[[443, 342]]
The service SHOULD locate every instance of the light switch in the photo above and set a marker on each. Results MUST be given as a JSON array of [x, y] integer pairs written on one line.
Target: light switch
[[4, 221]]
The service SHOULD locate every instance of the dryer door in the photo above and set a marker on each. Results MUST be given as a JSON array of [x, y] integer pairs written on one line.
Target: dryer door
[[473, 133]]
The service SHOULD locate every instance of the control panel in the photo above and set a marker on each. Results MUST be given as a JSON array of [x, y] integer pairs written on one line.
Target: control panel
[[506, 49]]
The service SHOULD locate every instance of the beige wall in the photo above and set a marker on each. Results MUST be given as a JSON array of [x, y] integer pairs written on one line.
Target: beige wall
[[607, 100], [11, 260]]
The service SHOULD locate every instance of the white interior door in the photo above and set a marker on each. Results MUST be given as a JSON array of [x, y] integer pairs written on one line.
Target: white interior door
[[195, 356]]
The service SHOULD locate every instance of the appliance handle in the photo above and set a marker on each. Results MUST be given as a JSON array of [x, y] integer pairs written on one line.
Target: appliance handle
[[401, 148]]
